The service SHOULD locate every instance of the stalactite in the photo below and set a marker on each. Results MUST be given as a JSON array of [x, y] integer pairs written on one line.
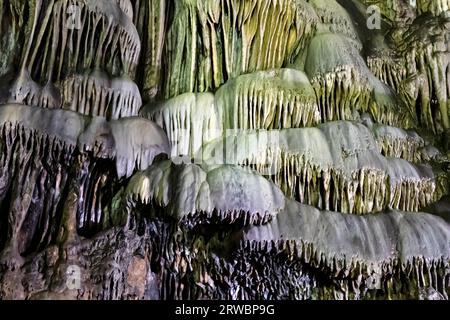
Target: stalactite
[[388, 69], [368, 254], [96, 34], [397, 143], [388, 108], [132, 142], [348, 174], [93, 94], [268, 100], [96, 94], [414, 63], [425, 47], [275, 99], [200, 196], [62, 153], [210, 42], [13, 26], [26, 91], [151, 21], [296, 136], [337, 73], [190, 120], [127, 7], [336, 20], [344, 83], [32, 208]]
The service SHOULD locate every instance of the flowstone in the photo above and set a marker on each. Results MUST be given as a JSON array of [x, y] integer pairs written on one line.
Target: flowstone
[[224, 149]]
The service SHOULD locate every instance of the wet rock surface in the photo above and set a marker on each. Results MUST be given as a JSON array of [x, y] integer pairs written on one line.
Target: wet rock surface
[[224, 149]]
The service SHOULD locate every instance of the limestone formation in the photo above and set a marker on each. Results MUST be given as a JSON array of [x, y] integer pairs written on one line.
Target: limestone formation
[[213, 41], [335, 166], [224, 149], [200, 194]]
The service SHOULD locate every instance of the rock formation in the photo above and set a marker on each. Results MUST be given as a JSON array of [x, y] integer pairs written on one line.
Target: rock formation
[[224, 149]]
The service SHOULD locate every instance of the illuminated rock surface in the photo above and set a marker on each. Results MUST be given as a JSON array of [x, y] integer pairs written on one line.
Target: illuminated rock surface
[[224, 149]]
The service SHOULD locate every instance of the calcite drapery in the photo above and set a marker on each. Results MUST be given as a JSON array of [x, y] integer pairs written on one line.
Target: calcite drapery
[[335, 166], [344, 83], [212, 41], [51, 151], [97, 95], [201, 193], [96, 34], [427, 52], [273, 99], [362, 253], [326, 240], [285, 150], [435, 7], [414, 61]]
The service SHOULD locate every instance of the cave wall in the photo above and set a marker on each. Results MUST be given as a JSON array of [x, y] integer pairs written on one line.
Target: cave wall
[[224, 149]]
